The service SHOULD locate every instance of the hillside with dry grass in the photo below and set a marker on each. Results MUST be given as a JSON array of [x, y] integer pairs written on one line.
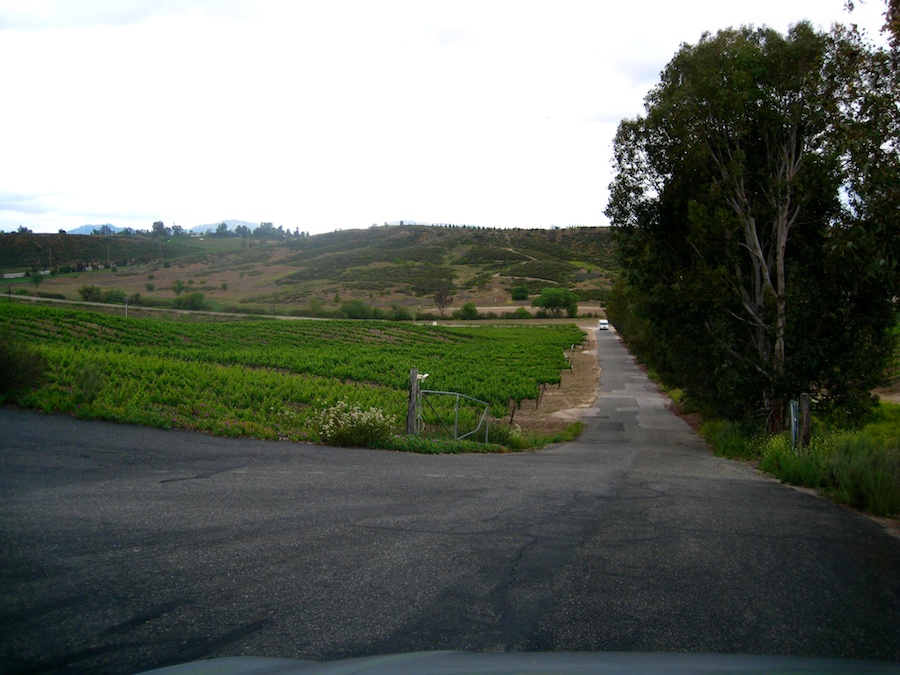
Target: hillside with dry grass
[[393, 267]]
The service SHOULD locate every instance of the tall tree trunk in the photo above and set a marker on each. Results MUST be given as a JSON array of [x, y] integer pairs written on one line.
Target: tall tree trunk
[[767, 278]]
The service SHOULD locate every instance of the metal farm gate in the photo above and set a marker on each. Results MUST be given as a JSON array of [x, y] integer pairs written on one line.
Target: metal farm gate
[[444, 417]]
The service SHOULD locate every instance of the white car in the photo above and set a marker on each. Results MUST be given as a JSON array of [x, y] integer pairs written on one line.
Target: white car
[[603, 324]]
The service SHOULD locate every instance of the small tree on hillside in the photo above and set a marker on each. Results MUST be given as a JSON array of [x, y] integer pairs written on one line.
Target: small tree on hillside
[[520, 293], [468, 312], [555, 300], [160, 229], [442, 298]]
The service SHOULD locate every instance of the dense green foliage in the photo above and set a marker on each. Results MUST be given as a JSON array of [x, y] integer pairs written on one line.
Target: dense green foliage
[[756, 207], [519, 293], [270, 378], [556, 301], [468, 312], [21, 365]]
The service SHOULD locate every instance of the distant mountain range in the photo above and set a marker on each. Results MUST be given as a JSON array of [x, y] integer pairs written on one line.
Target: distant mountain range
[[89, 229]]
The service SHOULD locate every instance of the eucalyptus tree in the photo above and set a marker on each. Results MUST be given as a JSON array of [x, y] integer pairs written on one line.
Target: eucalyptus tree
[[756, 212]]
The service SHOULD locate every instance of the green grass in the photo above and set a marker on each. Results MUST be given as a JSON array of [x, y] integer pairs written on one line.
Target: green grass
[[857, 468], [729, 440], [502, 439], [808, 469], [437, 446], [866, 473], [884, 423]]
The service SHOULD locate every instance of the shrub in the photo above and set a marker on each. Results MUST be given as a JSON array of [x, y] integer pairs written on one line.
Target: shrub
[[89, 381], [468, 312], [520, 293], [114, 295], [97, 294], [509, 436], [520, 313], [21, 366], [399, 313], [356, 309], [345, 425], [194, 301], [91, 293]]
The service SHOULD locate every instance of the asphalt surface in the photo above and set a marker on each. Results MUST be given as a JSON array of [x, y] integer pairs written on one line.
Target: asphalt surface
[[127, 548]]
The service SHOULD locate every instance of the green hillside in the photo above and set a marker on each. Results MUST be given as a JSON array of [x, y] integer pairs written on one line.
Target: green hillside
[[382, 267]]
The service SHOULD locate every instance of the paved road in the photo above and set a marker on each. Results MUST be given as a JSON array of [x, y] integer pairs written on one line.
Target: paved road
[[125, 548]]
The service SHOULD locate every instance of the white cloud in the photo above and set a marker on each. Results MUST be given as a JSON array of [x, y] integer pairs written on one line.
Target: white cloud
[[321, 115]]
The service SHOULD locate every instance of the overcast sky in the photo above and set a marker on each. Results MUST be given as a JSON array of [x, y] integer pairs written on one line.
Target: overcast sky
[[330, 114]]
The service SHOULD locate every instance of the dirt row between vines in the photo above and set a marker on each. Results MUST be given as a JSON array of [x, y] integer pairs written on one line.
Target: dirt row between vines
[[560, 406]]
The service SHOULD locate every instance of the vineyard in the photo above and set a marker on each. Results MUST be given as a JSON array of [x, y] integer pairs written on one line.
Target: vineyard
[[269, 378]]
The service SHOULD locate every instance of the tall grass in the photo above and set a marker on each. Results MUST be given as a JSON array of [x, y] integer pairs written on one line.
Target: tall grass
[[866, 473], [808, 468], [859, 468], [729, 439]]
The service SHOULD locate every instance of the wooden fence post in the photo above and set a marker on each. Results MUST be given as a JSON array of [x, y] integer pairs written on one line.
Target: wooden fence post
[[804, 420], [411, 410]]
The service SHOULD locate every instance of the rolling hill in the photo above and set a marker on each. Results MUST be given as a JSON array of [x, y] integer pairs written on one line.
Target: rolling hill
[[385, 266]]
